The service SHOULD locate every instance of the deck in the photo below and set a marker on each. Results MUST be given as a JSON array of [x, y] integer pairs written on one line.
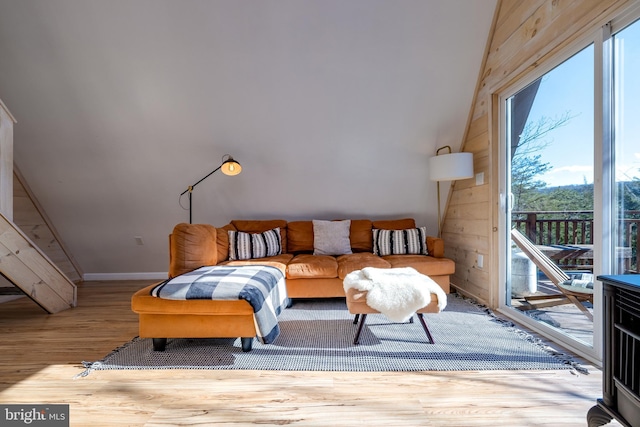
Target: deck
[[566, 317]]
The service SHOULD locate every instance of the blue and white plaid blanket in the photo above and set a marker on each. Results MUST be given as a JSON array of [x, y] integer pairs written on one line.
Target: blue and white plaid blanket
[[261, 286]]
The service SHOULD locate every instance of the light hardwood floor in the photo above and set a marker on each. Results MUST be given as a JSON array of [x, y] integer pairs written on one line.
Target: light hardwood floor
[[41, 353]]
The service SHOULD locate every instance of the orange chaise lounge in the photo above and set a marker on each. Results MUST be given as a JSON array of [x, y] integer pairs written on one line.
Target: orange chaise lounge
[[307, 275]]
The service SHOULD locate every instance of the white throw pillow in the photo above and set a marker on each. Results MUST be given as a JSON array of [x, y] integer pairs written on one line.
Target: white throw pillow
[[331, 237]]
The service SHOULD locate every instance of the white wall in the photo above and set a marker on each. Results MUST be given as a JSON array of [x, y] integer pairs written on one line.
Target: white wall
[[332, 107]]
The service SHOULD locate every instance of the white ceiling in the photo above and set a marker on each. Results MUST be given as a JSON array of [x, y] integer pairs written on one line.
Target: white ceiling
[[331, 106]]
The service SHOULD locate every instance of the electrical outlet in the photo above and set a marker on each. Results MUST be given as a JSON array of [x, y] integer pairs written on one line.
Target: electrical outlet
[[480, 178], [480, 261], [138, 240]]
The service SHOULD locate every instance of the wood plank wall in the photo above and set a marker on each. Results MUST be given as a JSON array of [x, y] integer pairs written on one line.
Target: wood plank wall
[[32, 220], [29, 216], [525, 34]]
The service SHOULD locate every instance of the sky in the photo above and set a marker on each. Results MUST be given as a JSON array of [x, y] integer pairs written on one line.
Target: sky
[[569, 89]]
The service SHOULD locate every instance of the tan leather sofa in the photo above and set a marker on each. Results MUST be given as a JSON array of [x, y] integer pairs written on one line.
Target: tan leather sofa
[[307, 275]]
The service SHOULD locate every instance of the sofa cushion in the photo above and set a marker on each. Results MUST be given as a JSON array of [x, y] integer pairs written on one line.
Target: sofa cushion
[[191, 246], [254, 245], [425, 264], [312, 266], [400, 242], [360, 235], [278, 261], [331, 237], [358, 261], [300, 237], [395, 224], [435, 246], [258, 226]]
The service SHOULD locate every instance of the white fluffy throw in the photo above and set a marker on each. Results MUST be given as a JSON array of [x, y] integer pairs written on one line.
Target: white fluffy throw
[[395, 292]]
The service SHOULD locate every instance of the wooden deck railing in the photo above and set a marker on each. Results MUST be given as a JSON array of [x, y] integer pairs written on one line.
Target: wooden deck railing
[[576, 228]]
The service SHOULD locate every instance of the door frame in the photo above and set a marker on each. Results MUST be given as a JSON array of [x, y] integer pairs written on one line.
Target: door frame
[[591, 353]]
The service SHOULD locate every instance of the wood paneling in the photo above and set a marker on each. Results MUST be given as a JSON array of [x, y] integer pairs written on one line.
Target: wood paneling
[[479, 210], [525, 35], [32, 220], [470, 195], [40, 355], [478, 143]]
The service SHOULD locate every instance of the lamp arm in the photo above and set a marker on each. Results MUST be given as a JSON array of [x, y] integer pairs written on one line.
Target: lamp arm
[[190, 188]]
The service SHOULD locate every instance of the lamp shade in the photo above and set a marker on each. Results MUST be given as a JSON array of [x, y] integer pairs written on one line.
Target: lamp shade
[[231, 167], [451, 167]]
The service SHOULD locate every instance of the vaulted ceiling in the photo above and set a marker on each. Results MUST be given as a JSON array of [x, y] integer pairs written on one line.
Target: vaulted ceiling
[[332, 107]]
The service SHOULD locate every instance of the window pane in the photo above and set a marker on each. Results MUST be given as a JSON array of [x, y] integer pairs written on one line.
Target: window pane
[[627, 147], [550, 134]]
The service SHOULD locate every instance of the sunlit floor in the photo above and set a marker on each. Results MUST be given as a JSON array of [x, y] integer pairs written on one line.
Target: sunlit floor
[[41, 354]]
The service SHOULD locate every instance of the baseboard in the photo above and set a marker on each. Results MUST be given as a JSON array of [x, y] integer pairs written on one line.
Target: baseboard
[[467, 294], [89, 277], [7, 298]]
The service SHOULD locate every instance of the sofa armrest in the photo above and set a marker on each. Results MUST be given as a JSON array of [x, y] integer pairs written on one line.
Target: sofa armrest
[[191, 246], [435, 247]]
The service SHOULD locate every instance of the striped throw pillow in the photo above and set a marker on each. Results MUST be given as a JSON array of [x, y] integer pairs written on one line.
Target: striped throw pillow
[[400, 242], [254, 245]]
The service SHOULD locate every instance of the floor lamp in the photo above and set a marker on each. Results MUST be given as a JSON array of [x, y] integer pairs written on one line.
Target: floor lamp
[[229, 167], [449, 167]]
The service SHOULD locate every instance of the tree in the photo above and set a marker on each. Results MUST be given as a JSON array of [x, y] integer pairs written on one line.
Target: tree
[[524, 170], [526, 165]]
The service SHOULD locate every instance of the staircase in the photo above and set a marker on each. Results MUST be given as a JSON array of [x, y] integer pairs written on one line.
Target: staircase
[[28, 268], [22, 263]]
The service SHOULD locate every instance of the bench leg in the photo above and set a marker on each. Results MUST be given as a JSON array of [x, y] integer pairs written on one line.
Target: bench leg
[[247, 343], [159, 344], [355, 319], [356, 340], [426, 329]]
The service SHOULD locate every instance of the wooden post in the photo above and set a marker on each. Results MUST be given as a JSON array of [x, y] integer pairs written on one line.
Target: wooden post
[[637, 270], [6, 161], [531, 227]]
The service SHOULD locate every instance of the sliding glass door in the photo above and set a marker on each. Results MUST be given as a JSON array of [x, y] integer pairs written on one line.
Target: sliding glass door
[[626, 82], [550, 172], [570, 186]]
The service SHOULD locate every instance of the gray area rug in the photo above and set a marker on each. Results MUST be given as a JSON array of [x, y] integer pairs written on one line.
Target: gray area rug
[[317, 335]]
